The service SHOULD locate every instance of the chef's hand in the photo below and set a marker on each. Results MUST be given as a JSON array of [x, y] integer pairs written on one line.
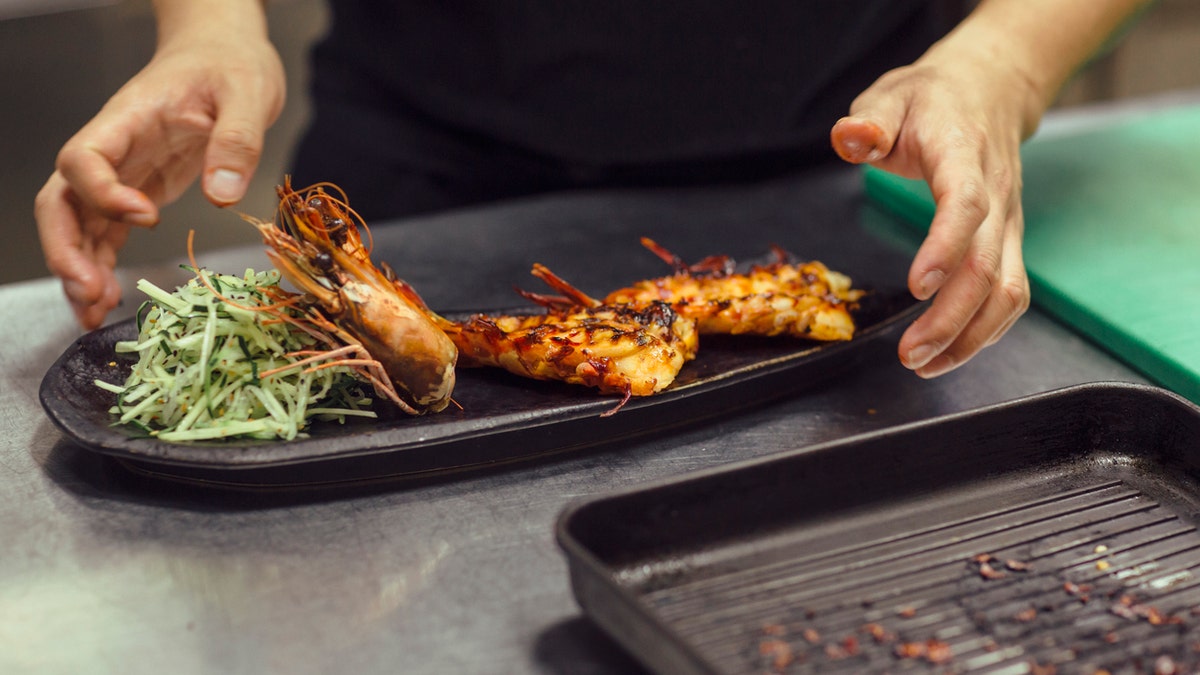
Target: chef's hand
[[956, 119], [200, 106], [958, 125]]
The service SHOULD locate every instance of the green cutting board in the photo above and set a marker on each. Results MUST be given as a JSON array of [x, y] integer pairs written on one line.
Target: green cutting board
[[1112, 236]]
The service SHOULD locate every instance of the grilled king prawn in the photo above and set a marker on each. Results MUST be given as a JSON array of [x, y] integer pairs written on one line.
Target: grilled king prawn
[[806, 300], [317, 246], [629, 349]]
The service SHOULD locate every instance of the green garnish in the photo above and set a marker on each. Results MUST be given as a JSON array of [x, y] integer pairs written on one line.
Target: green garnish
[[198, 375]]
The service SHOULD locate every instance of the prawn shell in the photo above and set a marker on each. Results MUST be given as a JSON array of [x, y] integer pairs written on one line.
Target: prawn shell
[[317, 246], [413, 350]]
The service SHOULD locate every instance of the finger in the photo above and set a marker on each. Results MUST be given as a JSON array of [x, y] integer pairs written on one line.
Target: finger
[[872, 129], [62, 235], [106, 255], [91, 315], [234, 149], [104, 240], [1015, 283], [963, 204], [89, 168], [1007, 302], [1015, 286], [70, 248], [957, 302]]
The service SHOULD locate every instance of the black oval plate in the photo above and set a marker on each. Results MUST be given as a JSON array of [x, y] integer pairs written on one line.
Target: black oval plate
[[502, 417]]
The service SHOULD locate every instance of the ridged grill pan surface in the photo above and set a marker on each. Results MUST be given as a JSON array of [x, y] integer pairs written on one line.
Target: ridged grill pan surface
[[1055, 533]]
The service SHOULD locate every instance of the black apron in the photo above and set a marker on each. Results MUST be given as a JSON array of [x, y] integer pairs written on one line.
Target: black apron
[[428, 104]]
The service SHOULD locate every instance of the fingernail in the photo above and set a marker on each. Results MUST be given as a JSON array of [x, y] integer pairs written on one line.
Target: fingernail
[[939, 366], [140, 219], [225, 186], [919, 356], [852, 147], [930, 283]]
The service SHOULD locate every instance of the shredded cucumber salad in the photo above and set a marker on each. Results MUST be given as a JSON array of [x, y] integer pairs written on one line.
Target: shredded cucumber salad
[[200, 360]]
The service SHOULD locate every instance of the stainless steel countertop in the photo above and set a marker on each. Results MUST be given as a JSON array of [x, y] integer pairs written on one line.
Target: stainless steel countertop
[[105, 571]]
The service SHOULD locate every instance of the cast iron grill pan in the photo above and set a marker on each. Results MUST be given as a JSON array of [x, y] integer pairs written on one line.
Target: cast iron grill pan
[[868, 555]]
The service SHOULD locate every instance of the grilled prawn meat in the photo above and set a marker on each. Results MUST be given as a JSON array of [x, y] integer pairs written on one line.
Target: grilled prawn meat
[[629, 349], [317, 245], [806, 300]]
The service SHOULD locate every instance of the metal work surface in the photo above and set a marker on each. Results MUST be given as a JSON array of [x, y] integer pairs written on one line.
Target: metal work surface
[[103, 570]]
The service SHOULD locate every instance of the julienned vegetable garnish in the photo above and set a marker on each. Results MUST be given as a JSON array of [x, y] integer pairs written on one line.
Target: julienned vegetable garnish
[[226, 356]]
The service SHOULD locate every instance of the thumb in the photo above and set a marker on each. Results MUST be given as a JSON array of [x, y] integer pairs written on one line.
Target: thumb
[[232, 156], [870, 131]]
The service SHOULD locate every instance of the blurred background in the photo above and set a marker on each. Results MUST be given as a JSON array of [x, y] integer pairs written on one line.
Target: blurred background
[[60, 60]]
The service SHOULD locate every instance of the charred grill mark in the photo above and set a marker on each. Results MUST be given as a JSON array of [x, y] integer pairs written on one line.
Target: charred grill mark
[[804, 300], [627, 350]]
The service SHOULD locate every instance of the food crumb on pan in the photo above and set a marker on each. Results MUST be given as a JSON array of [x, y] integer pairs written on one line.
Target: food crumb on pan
[[778, 651], [845, 649], [988, 572], [882, 635], [1082, 593], [933, 651], [1165, 665], [878, 633]]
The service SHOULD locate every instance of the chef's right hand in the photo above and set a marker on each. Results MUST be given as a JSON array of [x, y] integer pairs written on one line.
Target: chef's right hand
[[200, 107]]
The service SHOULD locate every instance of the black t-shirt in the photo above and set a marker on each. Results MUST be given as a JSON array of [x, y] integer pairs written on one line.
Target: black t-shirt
[[597, 89]]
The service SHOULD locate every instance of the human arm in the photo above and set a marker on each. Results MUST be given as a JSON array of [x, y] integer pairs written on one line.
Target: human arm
[[956, 118], [200, 107]]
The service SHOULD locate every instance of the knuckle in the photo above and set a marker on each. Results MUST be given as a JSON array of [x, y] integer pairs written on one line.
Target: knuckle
[[67, 157], [983, 267], [888, 80], [240, 142], [1014, 297], [1005, 180], [972, 202], [969, 136]]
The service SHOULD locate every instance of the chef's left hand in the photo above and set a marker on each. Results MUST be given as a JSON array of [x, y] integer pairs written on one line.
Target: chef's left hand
[[956, 123]]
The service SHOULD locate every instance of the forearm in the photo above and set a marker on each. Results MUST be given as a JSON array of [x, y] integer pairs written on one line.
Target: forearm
[[178, 18], [1044, 41]]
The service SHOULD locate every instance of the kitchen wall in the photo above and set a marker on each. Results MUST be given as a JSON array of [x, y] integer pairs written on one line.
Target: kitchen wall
[[61, 59]]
